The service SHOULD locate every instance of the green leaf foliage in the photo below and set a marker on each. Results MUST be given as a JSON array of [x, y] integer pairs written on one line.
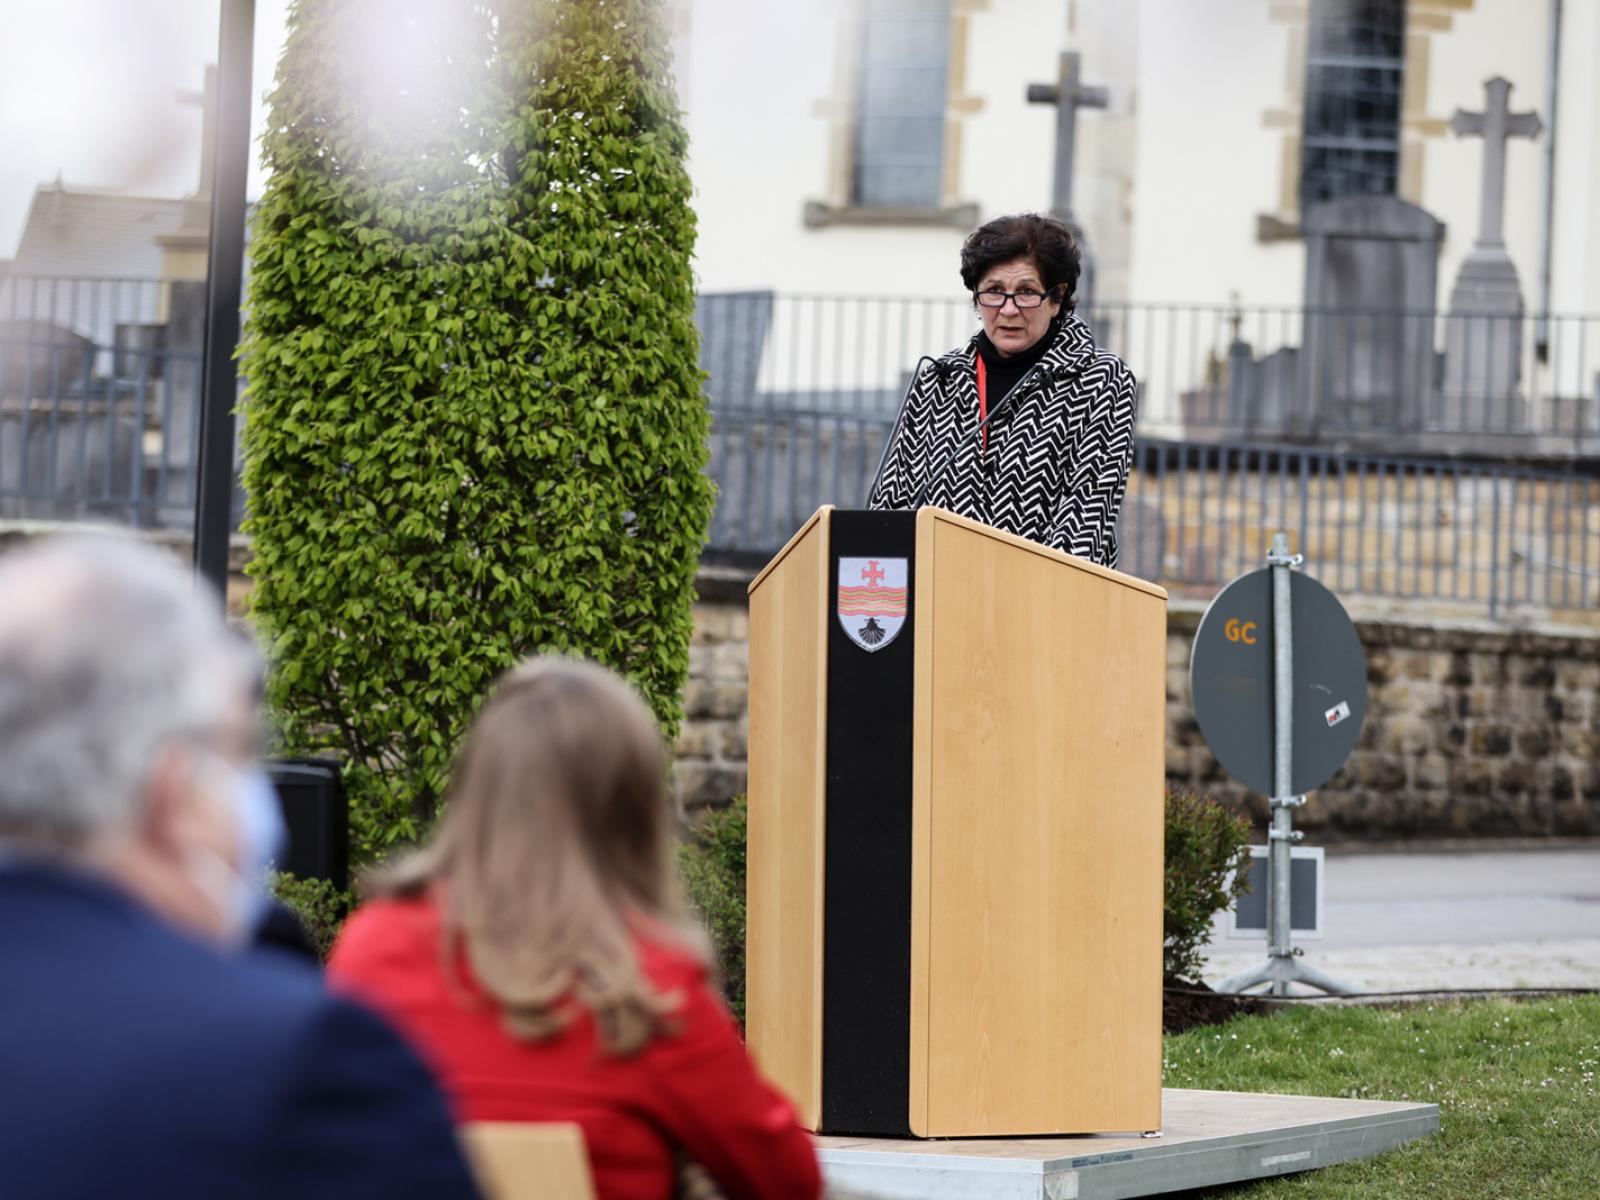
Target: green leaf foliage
[[320, 907], [712, 866], [1204, 843], [473, 426]]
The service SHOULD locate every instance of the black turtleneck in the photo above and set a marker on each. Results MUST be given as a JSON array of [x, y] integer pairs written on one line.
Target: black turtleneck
[[1003, 373]]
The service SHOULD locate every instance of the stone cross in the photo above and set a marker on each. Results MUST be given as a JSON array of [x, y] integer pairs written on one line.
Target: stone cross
[[1494, 125], [1068, 94], [1482, 388]]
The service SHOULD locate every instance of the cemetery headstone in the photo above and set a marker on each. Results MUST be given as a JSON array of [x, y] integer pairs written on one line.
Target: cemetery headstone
[[1483, 335], [1366, 361]]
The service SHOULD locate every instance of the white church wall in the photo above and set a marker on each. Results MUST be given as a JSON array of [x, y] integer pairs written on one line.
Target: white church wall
[[1207, 163], [1576, 262], [755, 74], [1008, 146], [1107, 36], [1574, 343], [764, 85]]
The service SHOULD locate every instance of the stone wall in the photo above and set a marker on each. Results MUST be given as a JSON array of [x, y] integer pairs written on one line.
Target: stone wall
[[709, 759], [1471, 730]]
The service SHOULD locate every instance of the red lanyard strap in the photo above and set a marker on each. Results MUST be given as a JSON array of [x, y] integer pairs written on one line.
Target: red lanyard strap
[[983, 400]]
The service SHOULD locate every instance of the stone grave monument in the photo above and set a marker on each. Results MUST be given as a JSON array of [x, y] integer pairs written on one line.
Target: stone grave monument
[[1366, 361], [1483, 330]]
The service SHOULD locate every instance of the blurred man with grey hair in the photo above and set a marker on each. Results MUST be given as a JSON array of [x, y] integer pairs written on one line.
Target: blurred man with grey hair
[[140, 1052]]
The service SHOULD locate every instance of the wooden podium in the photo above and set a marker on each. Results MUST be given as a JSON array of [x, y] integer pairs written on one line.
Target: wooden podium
[[955, 854]]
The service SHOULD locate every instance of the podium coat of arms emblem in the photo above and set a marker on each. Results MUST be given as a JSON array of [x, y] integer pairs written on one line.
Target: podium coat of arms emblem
[[872, 599]]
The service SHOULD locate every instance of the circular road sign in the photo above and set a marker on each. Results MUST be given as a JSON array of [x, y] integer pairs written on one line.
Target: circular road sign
[[1230, 678]]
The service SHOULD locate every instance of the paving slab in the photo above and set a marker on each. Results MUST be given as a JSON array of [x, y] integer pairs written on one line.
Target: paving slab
[[1208, 1138]]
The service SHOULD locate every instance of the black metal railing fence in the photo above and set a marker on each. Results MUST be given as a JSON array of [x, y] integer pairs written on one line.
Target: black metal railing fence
[[1351, 430]]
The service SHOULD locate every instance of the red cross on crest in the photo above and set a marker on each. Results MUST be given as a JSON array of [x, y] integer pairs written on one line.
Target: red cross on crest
[[872, 573]]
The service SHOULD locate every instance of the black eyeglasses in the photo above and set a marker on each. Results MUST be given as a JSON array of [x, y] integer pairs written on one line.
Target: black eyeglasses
[[1026, 298]]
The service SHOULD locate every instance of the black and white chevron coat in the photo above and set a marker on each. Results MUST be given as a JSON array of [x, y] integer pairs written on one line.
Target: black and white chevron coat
[[1058, 456]]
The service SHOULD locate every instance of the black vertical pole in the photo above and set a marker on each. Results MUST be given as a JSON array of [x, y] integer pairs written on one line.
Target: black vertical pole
[[224, 281]]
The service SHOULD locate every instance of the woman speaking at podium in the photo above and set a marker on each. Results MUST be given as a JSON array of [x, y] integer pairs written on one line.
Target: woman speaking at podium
[[1029, 426]]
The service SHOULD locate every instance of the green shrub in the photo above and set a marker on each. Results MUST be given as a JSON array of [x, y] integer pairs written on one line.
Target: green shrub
[[473, 426], [320, 907], [1204, 842], [712, 865]]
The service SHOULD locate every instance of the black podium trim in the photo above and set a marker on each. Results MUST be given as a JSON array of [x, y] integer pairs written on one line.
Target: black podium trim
[[866, 978]]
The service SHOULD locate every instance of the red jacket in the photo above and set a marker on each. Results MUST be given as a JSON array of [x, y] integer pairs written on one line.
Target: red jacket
[[693, 1089]]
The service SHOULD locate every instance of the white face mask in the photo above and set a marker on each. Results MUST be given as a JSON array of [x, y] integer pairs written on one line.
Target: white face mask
[[240, 896]]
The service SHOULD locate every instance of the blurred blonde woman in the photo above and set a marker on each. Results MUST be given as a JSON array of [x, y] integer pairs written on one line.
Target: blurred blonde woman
[[538, 954]]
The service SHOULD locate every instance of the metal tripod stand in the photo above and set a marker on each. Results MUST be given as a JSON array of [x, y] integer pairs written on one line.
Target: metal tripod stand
[[1283, 965]]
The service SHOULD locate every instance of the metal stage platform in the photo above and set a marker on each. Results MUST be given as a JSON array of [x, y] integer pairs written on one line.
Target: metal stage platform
[[1208, 1138]]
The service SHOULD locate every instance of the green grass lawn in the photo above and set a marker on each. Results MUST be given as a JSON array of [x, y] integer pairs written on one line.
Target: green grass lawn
[[1517, 1085]]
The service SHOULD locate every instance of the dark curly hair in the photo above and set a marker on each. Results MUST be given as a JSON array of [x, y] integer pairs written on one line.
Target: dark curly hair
[[1045, 240]]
